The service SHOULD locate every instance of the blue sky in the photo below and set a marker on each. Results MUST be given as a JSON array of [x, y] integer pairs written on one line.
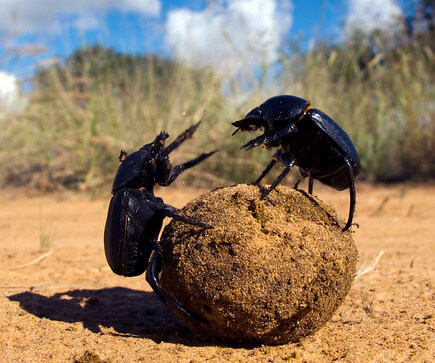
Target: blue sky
[[205, 32]]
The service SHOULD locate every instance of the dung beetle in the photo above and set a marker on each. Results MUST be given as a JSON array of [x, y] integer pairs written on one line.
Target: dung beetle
[[305, 137], [135, 215]]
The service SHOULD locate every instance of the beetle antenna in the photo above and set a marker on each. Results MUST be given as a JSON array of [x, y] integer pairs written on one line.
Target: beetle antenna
[[188, 164]]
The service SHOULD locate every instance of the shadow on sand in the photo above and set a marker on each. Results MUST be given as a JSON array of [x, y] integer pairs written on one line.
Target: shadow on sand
[[128, 312]]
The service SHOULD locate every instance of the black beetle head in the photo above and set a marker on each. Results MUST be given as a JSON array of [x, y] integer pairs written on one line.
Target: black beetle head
[[150, 165], [273, 114], [252, 121]]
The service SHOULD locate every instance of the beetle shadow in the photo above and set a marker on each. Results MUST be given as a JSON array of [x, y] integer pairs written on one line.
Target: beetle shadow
[[116, 311]]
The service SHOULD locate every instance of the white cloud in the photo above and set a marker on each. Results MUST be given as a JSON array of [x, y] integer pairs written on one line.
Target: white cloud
[[366, 16], [230, 35], [10, 95], [46, 15]]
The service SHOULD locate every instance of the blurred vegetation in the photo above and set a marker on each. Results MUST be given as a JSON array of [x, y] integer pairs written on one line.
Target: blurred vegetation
[[83, 112], [384, 98], [380, 89]]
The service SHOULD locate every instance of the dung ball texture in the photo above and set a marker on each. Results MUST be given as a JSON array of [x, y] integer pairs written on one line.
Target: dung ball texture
[[270, 271]]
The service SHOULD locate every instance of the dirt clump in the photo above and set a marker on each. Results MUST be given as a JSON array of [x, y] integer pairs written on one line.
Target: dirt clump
[[271, 271]]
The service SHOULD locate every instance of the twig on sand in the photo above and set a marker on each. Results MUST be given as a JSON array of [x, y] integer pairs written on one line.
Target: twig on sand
[[365, 270], [33, 262]]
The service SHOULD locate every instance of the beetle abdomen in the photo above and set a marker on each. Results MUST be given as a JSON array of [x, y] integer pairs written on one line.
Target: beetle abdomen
[[337, 135], [126, 245]]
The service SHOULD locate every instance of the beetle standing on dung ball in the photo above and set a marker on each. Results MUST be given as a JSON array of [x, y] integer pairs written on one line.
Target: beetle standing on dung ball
[[135, 215], [305, 137]]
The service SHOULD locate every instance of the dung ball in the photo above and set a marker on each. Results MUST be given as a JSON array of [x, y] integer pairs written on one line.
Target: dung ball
[[270, 271]]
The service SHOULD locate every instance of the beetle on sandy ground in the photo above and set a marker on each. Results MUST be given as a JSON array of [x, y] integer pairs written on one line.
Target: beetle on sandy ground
[[305, 137], [135, 215]]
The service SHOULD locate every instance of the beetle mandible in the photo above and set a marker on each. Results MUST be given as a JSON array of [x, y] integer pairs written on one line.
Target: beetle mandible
[[135, 215], [305, 137]]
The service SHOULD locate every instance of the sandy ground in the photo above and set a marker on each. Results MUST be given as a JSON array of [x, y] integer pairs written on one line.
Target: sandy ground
[[60, 301]]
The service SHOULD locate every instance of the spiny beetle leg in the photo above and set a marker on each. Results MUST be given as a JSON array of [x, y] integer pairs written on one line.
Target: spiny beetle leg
[[276, 157], [186, 134], [188, 164], [290, 164], [310, 185], [173, 212], [265, 171], [352, 194]]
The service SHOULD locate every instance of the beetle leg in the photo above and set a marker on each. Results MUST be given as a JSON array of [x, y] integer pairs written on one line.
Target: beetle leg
[[310, 185], [188, 164], [297, 184], [351, 178], [254, 142], [265, 171], [290, 163], [152, 276], [173, 212], [270, 139], [186, 134], [276, 157]]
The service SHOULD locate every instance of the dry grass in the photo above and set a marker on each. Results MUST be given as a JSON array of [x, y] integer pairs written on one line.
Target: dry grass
[[77, 121]]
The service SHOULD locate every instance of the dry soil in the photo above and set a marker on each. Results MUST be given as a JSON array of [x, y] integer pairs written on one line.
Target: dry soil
[[59, 300]]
